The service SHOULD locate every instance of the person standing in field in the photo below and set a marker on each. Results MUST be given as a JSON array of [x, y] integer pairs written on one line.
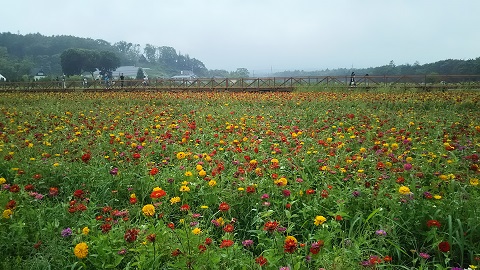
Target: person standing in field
[[352, 80], [122, 79]]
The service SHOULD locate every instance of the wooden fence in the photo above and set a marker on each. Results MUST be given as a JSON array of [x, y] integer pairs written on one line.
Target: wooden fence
[[425, 82]]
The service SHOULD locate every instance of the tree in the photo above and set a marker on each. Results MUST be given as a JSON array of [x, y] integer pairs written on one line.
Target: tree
[[77, 61], [140, 74], [108, 61], [150, 52], [240, 73], [72, 61]]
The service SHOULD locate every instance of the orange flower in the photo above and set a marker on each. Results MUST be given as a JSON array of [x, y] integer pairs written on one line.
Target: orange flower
[[223, 207]]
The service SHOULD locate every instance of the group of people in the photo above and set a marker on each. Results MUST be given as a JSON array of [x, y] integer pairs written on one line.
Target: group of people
[[352, 80]]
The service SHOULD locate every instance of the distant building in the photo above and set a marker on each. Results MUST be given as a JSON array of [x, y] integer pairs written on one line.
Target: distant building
[[2, 78], [130, 72], [39, 75], [185, 74]]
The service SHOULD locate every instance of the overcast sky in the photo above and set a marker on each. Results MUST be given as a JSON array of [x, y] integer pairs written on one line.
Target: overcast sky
[[267, 35]]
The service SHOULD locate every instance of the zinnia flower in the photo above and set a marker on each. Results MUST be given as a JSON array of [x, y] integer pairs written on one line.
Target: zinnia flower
[[404, 190], [223, 207], [157, 193], [290, 244], [148, 210], [319, 220], [226, 243], [444, 246], [131, 235], [261, 260], [81, 250], [433, 223]]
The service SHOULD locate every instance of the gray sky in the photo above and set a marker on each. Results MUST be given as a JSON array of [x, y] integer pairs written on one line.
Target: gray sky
[[267, 35]]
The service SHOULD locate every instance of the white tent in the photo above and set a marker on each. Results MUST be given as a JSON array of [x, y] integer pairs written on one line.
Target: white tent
[[2, 78]]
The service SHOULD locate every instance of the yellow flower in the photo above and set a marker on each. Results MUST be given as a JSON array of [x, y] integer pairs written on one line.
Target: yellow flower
[[437, 197], [181, 155], [175, 200], [133, 196], [274, 160], [184, 189], [81, 250], [474, 182], [188, 173], [281, 182], [7, 213], [212, 183], [148, 210], [202, 173], [85, 230], [196, 231], [319, 220], [204, 207], [2, 180], [220, 221], [199, 167], [404, 190]]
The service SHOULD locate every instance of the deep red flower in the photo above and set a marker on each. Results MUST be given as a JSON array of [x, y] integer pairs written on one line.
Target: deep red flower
[[11, 204], [14, 188], [315, 248], [136, 156], [223, 207], [433, 223], [151, 237], [176, 252], [202, 248], [37, 245], [444, 246], [133, 200], [290, 246], [106, 227], [374, 260], [37, 176], [250, 189], [171, 225], [29, 187], [53, 191], [86, 157], [261, 260], [324, 194], [131, 235], [387, 258], [310, 191], [226, 243]]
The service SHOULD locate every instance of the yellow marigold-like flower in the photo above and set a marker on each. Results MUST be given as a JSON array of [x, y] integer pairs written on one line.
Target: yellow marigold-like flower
[[133, 196], [188, 173], [2, 180], [148, 210], [184, 189], [7, 213], [81, 250], [220, 221], [274, 160], [181, 155], [443, 177], [175, 200], [404, 190], [85, 230], [319, 220], [474, 182], [157, 189], [202, 173], [204, 207], [212, 183], [437, 197], [208, 158], [253, 162], [196, 231], [199, 167], [281, 182]]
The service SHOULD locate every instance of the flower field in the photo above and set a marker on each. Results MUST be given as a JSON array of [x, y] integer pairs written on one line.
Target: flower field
[[302, 180]]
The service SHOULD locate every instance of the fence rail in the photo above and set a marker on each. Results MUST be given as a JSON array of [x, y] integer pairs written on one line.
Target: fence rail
[[426, 82]]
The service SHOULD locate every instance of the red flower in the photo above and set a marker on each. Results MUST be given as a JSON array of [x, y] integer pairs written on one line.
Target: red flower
[[202, 248], [374, 260], [387, 259], [310, 191], [261, 260], [228, 228], [250, 189], [324, 194], [106, 227], [131, 235], [157, 194], [53, 191], [86, 157], [224, 207], [29, 187], [290, 245], [226, 243], [270, 226], [444, 246], [176, 252], [11, 204], [315, 248], [154, 171], [185, 207], [171, 225], [208, 241], [78, 193], [14, 188], [136, 156], [433, 223], [133, 200]]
